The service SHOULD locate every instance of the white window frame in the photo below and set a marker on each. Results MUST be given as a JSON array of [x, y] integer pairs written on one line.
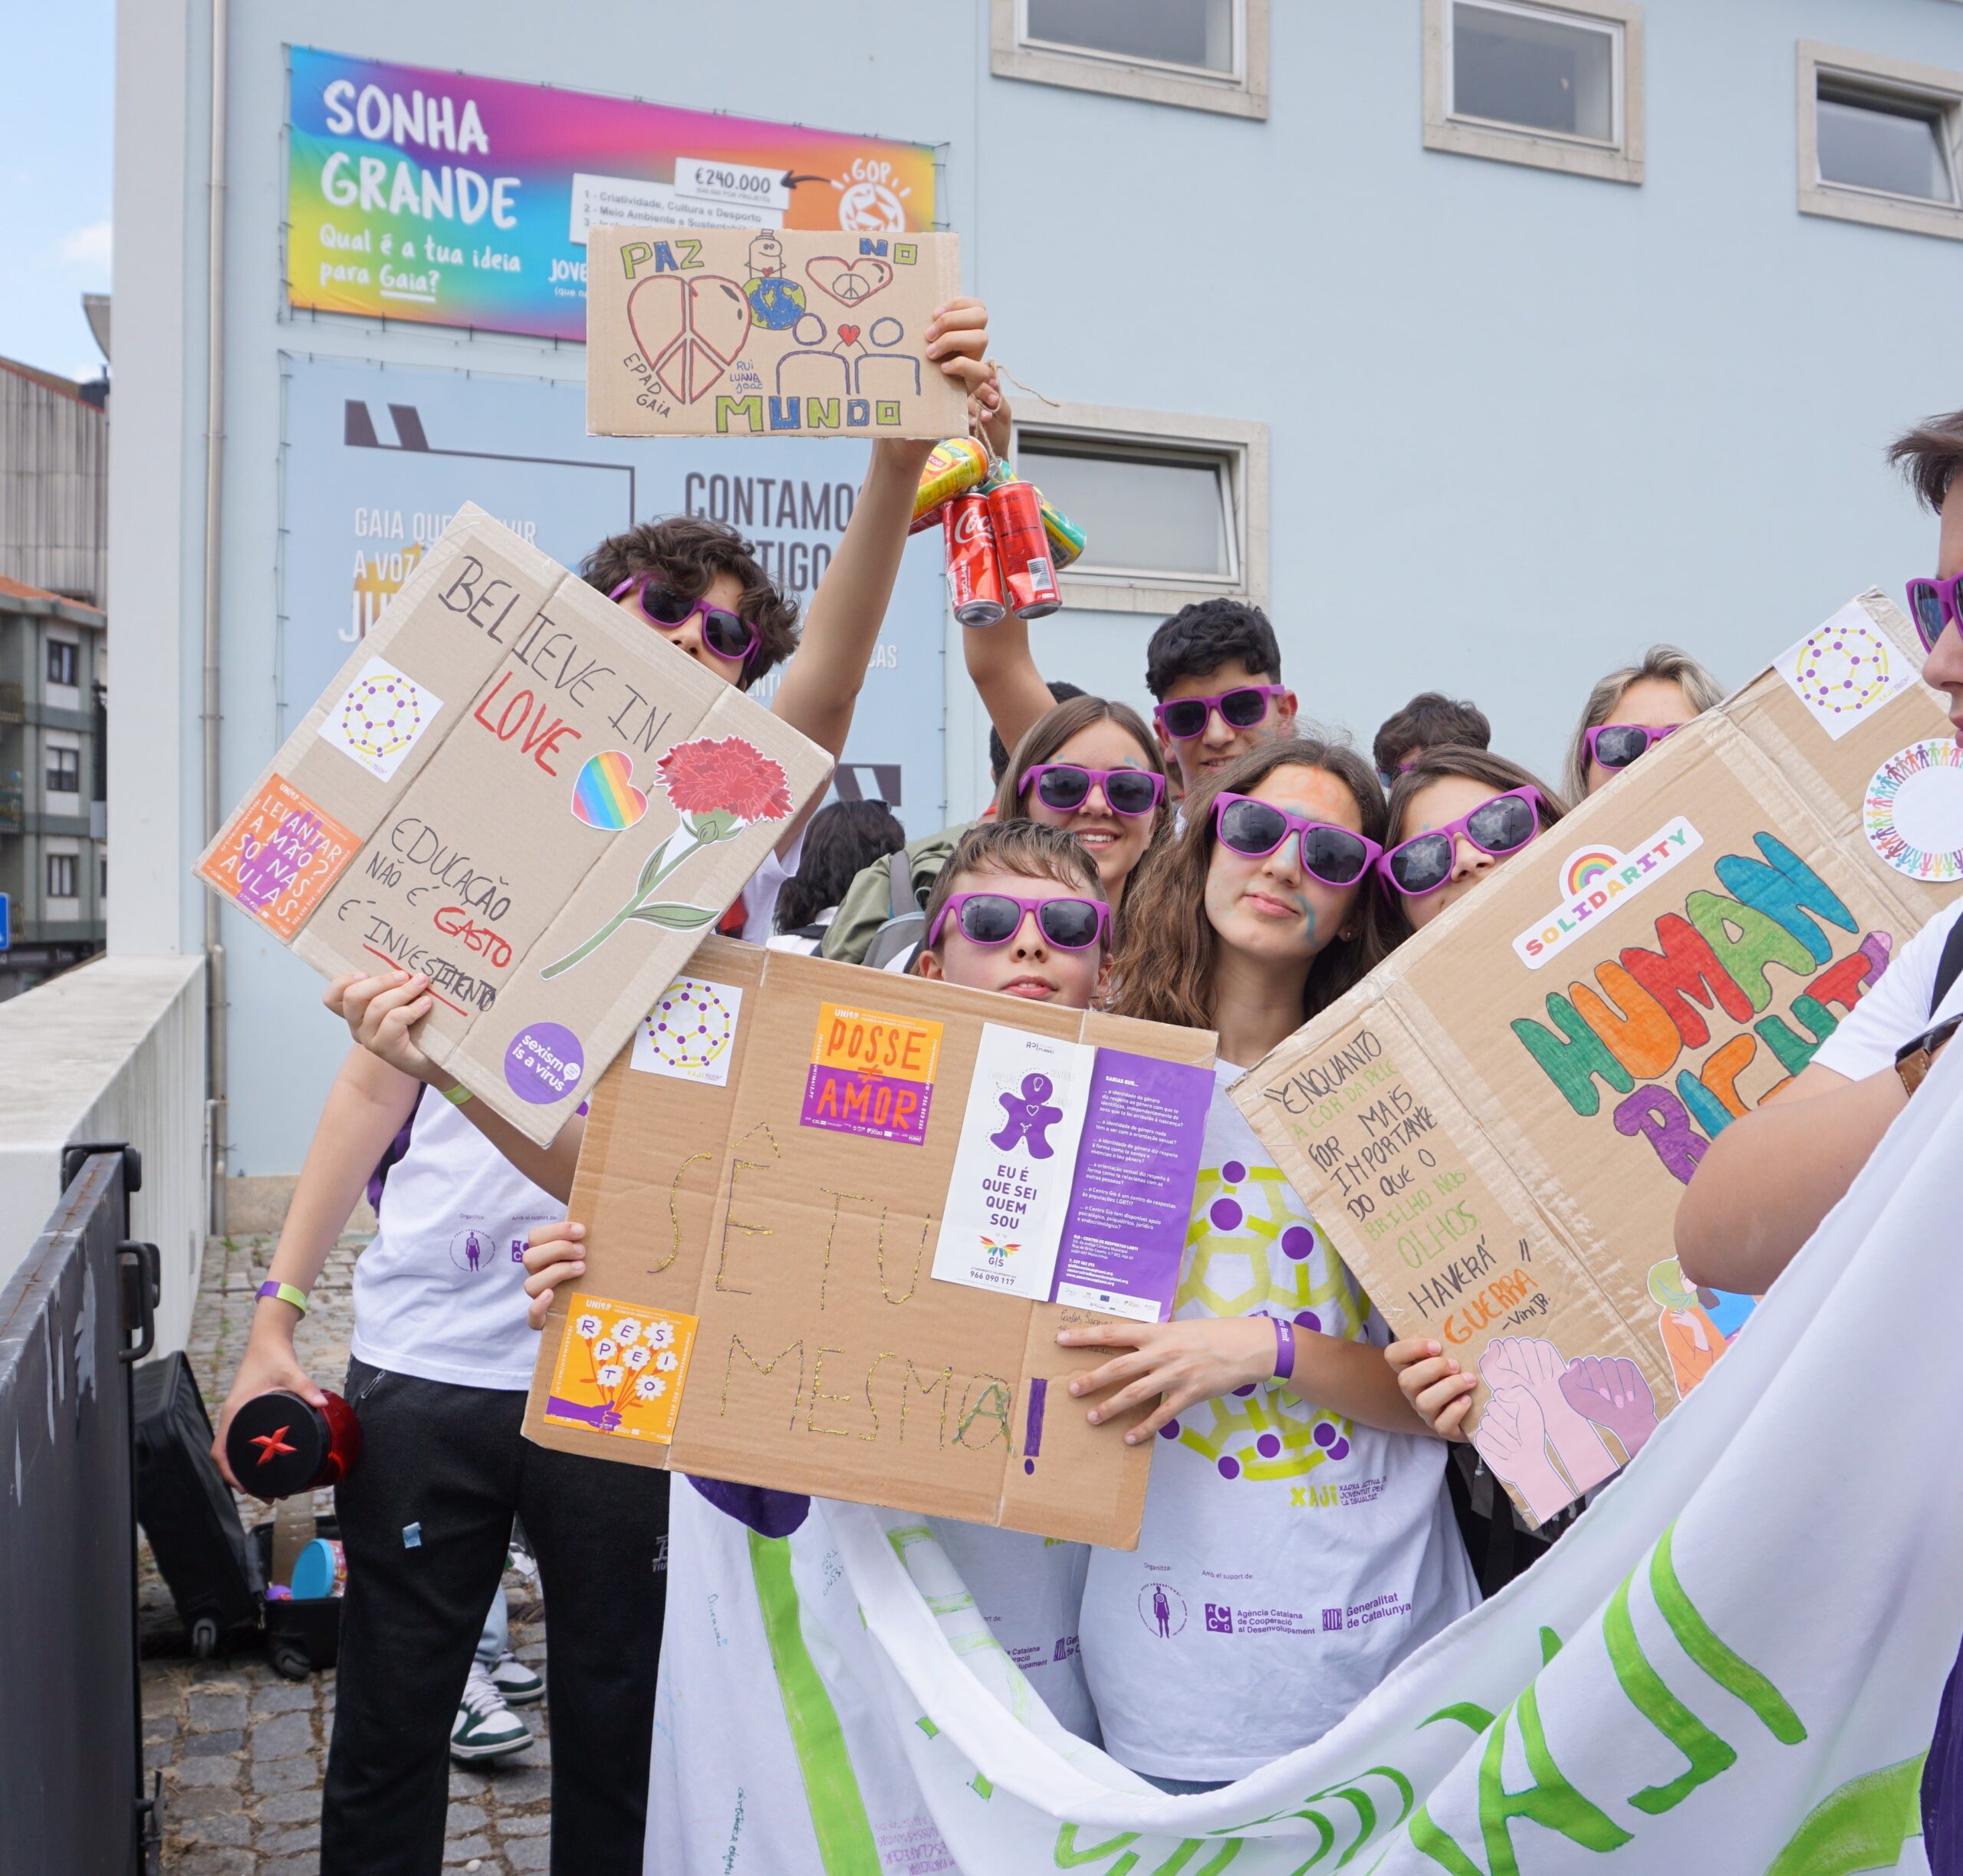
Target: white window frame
[[62, 697], [1243, 444], [60, 801], [51, 853], [1620, 162], [1242, 92], [1846, 202]]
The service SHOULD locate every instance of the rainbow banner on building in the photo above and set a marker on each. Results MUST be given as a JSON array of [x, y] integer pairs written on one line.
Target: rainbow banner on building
[[450, 200]]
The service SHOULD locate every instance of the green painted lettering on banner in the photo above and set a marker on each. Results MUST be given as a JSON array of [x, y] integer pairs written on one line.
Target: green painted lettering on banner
[[1707, 1753]]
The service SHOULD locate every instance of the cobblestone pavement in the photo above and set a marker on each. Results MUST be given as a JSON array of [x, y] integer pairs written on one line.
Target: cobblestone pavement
[[241, 1750]]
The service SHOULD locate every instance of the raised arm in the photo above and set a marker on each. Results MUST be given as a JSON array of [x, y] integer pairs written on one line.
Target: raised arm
[[821, 686], [1004, 675], [380, 1012], [1766, 1181], [366, 1108]]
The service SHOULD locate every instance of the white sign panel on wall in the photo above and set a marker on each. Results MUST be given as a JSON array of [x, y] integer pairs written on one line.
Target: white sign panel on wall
[[379, 457]]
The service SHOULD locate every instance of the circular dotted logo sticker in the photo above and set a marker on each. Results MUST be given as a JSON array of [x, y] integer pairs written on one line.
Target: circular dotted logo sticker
[[544, 1063], [1842, 669], [1913, 812], [380, 715], [692, 1025]]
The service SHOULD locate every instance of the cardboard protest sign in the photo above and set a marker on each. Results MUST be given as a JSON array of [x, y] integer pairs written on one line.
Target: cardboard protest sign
[[835, 1219], [776, 332], [1496, 1126], [514, 786]]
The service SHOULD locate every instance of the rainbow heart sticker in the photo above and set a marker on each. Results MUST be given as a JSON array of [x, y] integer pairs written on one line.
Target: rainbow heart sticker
[[604, 794]]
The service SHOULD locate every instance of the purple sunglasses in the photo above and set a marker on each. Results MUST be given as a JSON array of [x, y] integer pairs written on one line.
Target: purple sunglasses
[[995, 918], [726, 633], [1497, 828], [1241, 707], [1336, 855], [1932, 604], [1066, 786], [1616, 745]]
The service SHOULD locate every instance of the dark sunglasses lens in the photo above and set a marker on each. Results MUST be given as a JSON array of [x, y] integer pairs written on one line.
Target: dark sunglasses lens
[[1334, 855], [1502, 825], [664, 605], [1130, 794], [1069, 924], [725, 634], [1251, 827], [988, 918], [1620, 744], [1062, 788], [1421, 864], [1185, 719], [1243, 709], [1928, 612]]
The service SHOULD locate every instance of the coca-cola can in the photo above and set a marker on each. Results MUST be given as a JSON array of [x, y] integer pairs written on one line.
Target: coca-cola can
[[1029, 575], [975, 581]]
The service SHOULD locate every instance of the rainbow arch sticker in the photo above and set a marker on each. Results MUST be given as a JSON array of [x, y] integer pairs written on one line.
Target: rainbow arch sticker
[[1585, 868], [1594, 879]]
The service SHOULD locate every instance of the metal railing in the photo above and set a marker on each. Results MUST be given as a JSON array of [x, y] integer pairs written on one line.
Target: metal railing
[[77, 1314]]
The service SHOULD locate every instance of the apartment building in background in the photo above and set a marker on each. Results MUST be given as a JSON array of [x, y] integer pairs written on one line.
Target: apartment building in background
[[53, 670]]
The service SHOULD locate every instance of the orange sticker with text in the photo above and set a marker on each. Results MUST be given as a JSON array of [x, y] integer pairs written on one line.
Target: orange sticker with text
[[620, 1369], [280, 853]]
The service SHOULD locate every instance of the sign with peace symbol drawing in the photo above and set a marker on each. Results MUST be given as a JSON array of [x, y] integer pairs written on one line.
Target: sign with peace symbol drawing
[[771, 332]]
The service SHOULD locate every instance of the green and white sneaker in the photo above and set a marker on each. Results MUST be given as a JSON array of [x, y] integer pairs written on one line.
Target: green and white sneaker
[[484, 1726], [519, 1684]]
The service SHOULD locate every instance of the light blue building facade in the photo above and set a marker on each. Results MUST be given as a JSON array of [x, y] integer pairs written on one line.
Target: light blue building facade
[[1483, 342]]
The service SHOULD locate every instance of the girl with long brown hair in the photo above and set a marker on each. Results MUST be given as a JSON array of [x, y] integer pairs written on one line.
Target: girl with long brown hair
[[1092, 768], [1297, 1540], [1455, 814]]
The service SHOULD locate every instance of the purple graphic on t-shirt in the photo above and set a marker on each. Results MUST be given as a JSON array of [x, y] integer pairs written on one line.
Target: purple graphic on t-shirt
[[1029, 1117], [1219, 1618], [1162, 1610]]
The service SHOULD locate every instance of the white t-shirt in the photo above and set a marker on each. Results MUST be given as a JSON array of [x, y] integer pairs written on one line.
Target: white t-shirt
[[1289, 1557], [440, 1292], [1896, 1009]]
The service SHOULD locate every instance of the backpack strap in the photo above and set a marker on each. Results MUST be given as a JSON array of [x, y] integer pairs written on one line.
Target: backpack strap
[[899, 877], [1948, 967]]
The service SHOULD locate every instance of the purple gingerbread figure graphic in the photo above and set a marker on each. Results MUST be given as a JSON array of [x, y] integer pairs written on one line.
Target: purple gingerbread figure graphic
[[1162, 1609], [1030, 1117], [473, 1251]]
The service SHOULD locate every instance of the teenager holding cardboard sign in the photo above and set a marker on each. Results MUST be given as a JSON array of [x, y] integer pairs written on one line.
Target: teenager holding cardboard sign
[[1297, 1540], [442, 1356], [1019, 910]]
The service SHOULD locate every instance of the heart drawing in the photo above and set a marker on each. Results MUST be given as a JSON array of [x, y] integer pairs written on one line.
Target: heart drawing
[[848, 334], [849, 282], [690, 332], [604, 794]]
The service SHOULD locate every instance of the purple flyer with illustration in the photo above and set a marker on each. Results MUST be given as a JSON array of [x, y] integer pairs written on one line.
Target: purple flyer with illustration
[[1136, 1166]]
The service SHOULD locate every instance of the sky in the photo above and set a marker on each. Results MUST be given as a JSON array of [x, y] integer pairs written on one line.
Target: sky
[[56, 104]]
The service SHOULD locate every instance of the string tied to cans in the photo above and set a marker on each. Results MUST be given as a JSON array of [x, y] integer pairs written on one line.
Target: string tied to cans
[[1005, 544]]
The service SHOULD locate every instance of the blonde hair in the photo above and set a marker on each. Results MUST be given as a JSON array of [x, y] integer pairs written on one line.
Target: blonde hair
[[1032, 848], [1701, 691]]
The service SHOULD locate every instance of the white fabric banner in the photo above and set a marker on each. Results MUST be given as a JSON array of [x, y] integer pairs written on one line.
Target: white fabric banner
[[1732, 1662]]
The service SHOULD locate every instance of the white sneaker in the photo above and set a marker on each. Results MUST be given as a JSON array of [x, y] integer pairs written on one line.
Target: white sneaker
[[520, 1684], [484, 1726]]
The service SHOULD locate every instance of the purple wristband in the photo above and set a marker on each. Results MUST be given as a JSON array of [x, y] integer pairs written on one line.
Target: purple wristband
[[1285, 1348]]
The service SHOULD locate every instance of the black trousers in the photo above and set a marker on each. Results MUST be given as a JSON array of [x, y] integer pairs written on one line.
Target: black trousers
[[425, 1517]]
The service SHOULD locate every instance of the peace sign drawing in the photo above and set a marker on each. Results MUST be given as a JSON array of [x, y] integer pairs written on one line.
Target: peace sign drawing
[[689, 331]]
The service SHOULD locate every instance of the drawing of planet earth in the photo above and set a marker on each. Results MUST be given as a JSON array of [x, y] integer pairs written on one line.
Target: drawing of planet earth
[[775, 303]]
